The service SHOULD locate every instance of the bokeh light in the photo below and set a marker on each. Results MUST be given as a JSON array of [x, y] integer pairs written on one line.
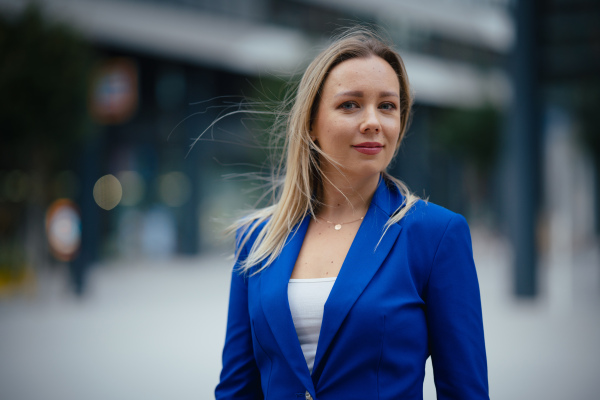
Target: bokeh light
[[174, 188], [63, 227], [134, 187], [114, 94], [108, 192]]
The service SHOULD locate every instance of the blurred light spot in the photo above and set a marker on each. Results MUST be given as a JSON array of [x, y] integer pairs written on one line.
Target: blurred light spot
[[16, 186], [134, 187], [63, 227], [114, 92], [174, 189], [108, 192]]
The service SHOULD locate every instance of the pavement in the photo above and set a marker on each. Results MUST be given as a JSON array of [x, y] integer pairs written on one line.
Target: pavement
[[154, 329]]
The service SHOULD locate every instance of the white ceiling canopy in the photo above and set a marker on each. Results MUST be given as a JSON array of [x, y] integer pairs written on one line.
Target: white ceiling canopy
[[475, 22], [252, 48], [234, 45]]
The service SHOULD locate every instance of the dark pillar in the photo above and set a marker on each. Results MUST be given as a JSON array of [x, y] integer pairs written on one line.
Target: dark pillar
[[89, 172], [521, 149]]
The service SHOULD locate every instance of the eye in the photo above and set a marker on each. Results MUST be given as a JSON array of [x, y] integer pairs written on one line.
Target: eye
[[387, 106], [348, 105]]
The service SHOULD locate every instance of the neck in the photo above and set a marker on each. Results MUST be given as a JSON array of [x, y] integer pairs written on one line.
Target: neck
[[343, 199]]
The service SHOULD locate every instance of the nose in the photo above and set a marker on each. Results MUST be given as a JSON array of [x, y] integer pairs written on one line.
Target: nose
[[370, 123]]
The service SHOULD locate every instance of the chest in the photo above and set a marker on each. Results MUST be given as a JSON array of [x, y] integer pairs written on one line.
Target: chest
[[372, 305], [323, 250]]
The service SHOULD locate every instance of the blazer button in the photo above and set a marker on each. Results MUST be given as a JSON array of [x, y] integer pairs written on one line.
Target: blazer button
[[307, 396]]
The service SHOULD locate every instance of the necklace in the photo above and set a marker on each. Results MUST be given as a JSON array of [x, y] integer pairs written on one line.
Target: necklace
[[338, 226]]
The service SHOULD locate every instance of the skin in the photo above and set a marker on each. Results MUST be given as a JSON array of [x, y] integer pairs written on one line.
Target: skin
[[360, 102]]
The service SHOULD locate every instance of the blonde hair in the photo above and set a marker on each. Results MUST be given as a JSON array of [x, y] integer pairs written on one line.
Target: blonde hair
[[297, 194]]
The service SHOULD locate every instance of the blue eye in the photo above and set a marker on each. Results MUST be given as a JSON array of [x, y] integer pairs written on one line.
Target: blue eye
[[388, 106], [348, 105]]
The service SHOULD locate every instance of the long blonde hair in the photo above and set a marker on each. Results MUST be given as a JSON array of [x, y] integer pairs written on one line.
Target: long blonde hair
[[297, 193]]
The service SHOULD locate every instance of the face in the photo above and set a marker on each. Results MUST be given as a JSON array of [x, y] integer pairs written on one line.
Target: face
[[358, 118]]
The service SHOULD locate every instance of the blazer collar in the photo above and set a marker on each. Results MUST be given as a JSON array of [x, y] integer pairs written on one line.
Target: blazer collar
[[387, 196], [367, 252], [274, 299]]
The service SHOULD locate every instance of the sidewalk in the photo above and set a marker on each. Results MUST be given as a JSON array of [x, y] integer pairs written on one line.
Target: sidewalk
[[154, 330]]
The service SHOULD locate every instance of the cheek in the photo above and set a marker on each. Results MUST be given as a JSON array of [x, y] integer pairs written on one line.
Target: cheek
[[332, 130], [393, 130], [397, 141]]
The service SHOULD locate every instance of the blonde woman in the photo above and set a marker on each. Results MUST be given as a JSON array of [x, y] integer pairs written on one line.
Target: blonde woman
[[346, 285]]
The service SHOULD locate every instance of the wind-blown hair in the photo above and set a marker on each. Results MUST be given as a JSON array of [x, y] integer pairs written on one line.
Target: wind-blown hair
[[298, 193]]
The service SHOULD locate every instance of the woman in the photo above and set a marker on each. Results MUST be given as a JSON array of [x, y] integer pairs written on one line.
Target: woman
[[346, 285]]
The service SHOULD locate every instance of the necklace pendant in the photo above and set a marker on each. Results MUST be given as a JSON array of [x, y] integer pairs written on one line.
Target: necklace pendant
[[337, 227]]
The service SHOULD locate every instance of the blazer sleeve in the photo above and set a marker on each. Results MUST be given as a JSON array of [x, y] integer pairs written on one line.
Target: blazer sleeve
[[454, 318], [240, 376]]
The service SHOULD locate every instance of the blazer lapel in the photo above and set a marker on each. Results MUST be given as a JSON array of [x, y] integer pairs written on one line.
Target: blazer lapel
[[367, 252], [274, 300]]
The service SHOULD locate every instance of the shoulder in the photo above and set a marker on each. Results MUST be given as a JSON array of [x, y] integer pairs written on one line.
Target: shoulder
[[438, 244], [429, 220], [423, 216], [428, 213]]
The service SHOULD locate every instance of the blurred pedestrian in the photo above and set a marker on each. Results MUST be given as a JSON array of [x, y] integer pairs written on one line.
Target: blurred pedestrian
[[346, 285]]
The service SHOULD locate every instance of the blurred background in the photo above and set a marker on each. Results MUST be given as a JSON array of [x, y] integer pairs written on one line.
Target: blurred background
[[114, 271]]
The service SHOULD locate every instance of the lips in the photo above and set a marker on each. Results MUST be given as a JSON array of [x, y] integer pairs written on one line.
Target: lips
[[370, 148]]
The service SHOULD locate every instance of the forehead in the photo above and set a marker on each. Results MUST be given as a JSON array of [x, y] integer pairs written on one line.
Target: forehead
[[362, 74]]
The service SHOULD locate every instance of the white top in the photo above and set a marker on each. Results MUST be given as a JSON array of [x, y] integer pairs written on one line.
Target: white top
[[307, 299]]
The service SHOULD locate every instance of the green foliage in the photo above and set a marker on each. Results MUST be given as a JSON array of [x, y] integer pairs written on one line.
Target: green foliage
[[43, 84], [472, 134]]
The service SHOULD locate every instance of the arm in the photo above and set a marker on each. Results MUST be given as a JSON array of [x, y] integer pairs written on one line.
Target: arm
[[454, 318], [240, 377]]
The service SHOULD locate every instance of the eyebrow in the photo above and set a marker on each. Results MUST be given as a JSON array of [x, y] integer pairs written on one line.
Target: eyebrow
[[358, 93]]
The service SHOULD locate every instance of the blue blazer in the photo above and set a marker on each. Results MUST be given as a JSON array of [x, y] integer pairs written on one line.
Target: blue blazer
[[397, 300]]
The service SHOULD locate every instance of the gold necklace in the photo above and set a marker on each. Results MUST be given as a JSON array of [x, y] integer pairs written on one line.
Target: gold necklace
[[338, 226]]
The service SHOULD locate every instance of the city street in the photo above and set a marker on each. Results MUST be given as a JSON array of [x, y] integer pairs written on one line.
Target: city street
[[134, 132], [154, 330]]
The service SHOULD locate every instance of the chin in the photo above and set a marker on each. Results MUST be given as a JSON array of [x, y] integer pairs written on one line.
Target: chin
[[365, 172]]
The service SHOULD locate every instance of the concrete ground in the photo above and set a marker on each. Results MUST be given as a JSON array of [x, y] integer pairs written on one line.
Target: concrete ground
[[154, 330]]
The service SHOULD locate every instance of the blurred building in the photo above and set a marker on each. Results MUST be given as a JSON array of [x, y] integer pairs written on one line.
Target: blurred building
[[164, 66]]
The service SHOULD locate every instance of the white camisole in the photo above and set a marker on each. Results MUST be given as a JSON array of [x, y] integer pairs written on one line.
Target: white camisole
[[307, 299]]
